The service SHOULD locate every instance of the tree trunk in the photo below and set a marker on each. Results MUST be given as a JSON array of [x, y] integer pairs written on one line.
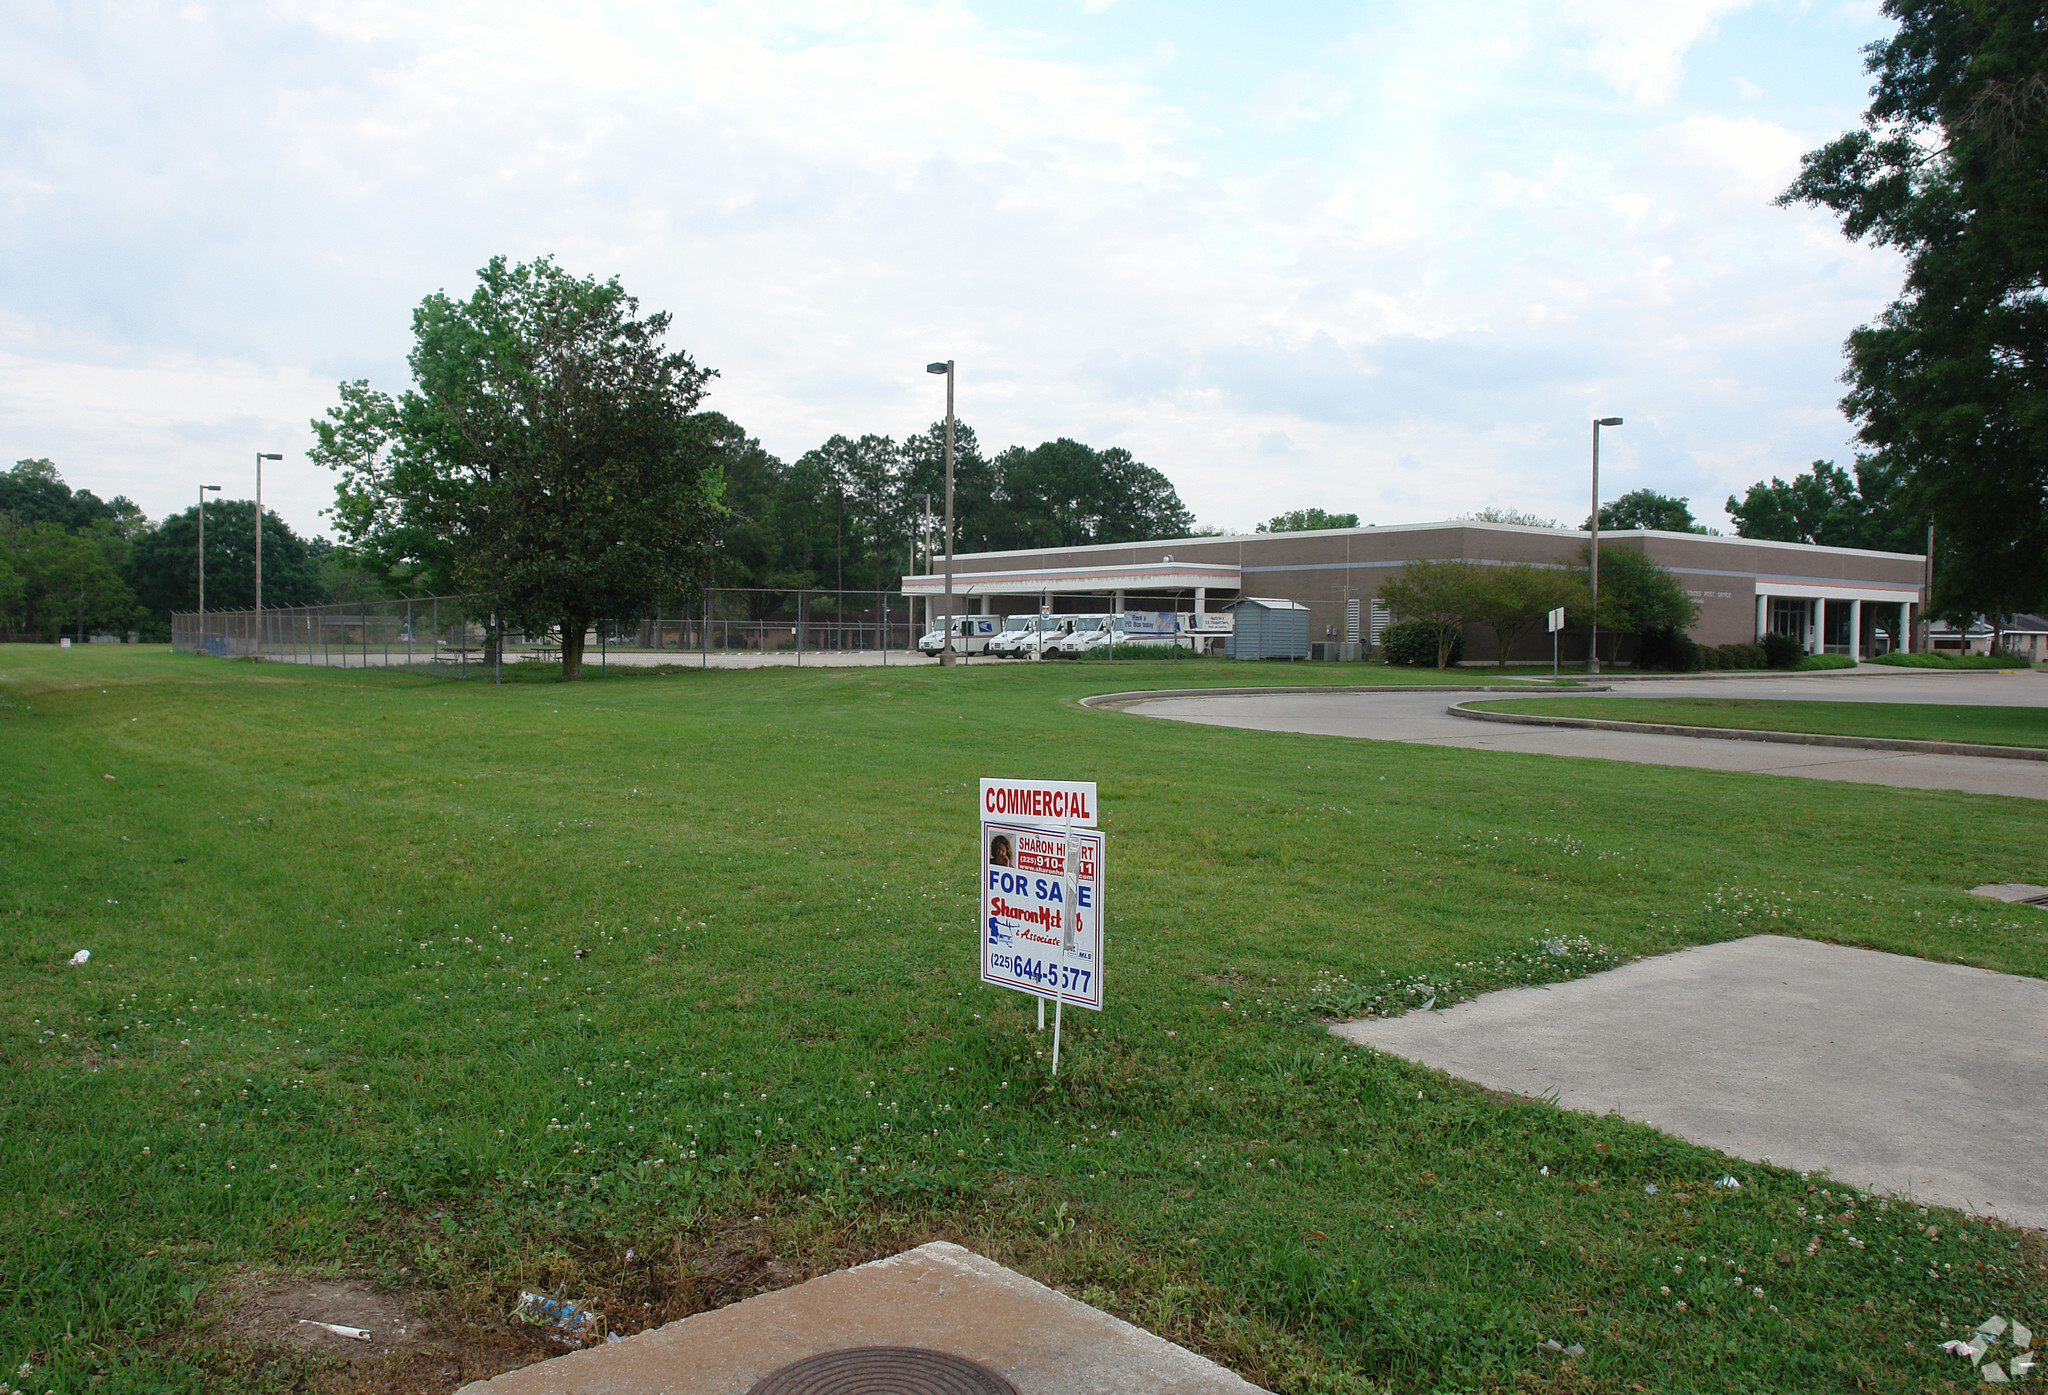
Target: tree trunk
[[573, 629]]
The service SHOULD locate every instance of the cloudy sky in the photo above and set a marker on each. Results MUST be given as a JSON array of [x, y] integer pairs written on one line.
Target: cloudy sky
[[1377, 257]]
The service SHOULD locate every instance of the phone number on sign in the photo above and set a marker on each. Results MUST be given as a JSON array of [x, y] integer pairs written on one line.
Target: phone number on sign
[[1060, 977]]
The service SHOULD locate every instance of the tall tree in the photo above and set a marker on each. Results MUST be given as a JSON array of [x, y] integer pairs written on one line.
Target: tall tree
[[34, 492], [1646, 508], [1306, 521], [68, 580], [979, 523], [1066, 494], [1828, 506], [1949, 387], [548, 453], [164, 565]]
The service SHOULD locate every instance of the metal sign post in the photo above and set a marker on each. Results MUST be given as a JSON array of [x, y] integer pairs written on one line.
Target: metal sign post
[[1041, 896], [1556, 624]]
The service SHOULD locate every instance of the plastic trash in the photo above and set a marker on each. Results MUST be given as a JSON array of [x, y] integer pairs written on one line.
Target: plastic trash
[[1729, 1184], [360, 1334], [81, 957], [565, 1317]]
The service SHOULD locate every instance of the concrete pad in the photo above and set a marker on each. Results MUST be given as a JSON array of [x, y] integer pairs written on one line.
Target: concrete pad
[[1895, 1074], [938, 1296]]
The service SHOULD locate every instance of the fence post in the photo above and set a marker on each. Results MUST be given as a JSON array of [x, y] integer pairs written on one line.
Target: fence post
[[408, 634], [704, 635], [799, 629]]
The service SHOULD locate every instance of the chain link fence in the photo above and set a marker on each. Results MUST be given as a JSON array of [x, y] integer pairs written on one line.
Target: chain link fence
[[453, 635]]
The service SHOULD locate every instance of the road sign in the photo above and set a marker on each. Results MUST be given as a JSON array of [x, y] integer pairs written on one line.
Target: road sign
[[1557, 620]]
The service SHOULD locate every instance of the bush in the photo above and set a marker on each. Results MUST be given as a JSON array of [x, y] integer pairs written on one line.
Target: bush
[[1952, 661], [1813, 662], [1782, 651], [1746, 656], [1668, 651], [1412, 644]]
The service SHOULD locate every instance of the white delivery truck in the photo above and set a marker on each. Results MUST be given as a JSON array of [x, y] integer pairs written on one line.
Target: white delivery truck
[[971, 634], [1016, 629], [1089, 633]]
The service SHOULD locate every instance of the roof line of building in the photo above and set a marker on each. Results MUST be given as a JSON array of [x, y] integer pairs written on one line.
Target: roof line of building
[[1447, 523]]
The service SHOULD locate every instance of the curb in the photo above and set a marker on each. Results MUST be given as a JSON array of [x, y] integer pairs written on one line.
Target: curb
[[1782, 738], [1157, 694]]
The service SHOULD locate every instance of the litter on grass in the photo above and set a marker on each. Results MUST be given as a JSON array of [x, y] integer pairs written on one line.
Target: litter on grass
[[1981, 1346], [1729, 1184], [566, 1318], [1552, 1345], [360, 1334], [81, 957]]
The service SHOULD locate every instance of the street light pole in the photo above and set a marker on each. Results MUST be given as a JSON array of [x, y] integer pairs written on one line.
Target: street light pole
[[202, 555], [260, 458], [1593, 659], [946, 654]]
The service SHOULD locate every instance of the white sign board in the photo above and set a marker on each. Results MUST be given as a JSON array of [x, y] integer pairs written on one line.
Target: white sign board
[[1557, 620], [1039, 801], [1148, 623], [1208, 622], [1041, 890]]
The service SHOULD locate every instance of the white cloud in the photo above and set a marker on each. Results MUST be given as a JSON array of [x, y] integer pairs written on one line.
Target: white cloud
[[1639, 46]]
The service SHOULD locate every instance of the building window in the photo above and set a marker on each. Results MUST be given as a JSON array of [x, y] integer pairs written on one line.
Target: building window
[[1788, 617]]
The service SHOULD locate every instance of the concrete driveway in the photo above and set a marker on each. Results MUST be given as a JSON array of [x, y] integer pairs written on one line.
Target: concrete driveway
[[1421, 718]]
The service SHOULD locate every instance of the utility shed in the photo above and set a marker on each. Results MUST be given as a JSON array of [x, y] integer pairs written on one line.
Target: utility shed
[[1268, 628]]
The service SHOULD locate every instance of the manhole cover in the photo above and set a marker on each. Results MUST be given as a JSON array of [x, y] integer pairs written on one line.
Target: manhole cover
[[883, 1371]]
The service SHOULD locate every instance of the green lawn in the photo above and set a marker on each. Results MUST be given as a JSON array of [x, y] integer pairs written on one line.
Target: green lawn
[[1910, 721], [622, 989]]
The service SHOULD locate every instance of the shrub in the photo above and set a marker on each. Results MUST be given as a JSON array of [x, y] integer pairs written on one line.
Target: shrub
[[1819, 661], [1896, 660], [1782, 651], [1412, 644], [1746, 656], [1669, 651]]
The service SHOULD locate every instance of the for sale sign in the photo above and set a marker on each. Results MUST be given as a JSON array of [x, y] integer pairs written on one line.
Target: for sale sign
[[1041, 890]]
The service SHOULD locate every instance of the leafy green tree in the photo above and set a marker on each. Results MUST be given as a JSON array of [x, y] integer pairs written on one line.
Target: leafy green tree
[[979, 521], [34, 492], [549, 453], [13, 591], [1065, 494], [855, 502], [1445, 595], [1637, 596], [1948, 388], [1646, 508], [1306, 521], [67, 580], [1512, 598], [1829, 507], [163, 567]]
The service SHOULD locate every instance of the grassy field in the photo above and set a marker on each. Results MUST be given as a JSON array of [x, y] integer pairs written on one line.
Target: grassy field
[[1914, 721], [660, 989]]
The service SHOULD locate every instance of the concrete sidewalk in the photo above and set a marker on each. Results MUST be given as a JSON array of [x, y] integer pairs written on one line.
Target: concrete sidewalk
[[1897, 1074]]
